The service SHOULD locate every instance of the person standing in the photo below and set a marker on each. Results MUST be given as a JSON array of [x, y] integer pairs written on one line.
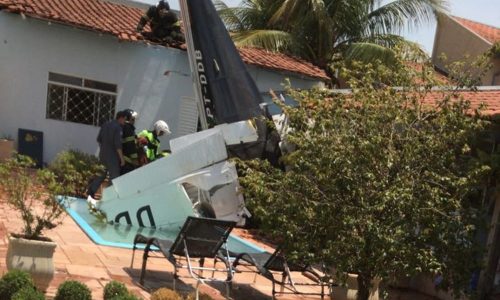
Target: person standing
[[110, 145], [110, 153], [129, 142], [151, 141]]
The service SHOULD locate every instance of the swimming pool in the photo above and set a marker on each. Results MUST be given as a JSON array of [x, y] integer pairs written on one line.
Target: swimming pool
[[122, 236]]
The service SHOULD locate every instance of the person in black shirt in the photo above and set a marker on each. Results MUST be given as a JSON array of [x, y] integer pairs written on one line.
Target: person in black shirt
[[110, 145], [129, 142], [163, 22], [110, 152]]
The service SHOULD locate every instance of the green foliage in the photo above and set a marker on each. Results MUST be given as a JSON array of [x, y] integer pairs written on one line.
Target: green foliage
[[32, 193], [380, 181], [75, 169], [28, 293], [165, 294], [127, 296], [321, 31], [73, 290], [494, 52], [13, 281], [113, 289], [469, 71]]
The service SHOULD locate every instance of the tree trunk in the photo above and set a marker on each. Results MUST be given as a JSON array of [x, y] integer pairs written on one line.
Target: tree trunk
[[364, 284]]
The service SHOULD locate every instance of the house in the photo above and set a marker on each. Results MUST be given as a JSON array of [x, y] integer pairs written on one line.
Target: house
[[69, 65], [457, 37]]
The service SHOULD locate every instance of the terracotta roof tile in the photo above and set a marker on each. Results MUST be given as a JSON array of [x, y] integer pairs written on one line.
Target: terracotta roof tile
[[434, 73], [489, 33], [121, 21], [279, 61], [490, 98]]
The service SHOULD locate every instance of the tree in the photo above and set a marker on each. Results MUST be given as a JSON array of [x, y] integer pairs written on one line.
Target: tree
[[380, 183], [320, 31]]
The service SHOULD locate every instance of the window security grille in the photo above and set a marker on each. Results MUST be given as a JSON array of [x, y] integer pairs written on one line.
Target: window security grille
[[80, 100]]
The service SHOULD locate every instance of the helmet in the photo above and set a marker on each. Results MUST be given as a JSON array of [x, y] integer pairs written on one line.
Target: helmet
[[163, 5], [161, 126], [130, 114]]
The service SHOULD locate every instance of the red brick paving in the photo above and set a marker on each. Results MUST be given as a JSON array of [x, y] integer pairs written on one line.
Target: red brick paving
[[78, 258]]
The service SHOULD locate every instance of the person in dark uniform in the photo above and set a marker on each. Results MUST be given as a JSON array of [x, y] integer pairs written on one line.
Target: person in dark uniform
[[129, 142], [110, 152], [164, 24], [110, 145]]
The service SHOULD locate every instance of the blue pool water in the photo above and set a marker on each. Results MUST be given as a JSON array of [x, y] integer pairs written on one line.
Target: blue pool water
[[117, 235]]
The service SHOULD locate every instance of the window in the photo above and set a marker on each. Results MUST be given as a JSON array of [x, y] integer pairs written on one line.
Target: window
[[80, 100]]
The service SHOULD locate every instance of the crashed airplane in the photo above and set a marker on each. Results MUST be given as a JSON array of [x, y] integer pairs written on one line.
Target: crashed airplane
[[197, 178]]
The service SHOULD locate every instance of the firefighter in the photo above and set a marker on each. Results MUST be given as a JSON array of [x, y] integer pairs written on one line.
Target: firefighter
[[129, 142], [149, 138], [165, 26]]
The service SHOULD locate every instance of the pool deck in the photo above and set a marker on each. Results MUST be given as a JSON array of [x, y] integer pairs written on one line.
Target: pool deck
[[78, 258]]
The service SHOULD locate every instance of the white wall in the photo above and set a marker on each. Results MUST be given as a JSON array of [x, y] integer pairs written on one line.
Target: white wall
[[30, 49], [267, 79], [456, 42]]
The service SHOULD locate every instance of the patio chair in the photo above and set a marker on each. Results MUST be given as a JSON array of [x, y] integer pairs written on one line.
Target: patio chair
[[199, 238], [269, 265]]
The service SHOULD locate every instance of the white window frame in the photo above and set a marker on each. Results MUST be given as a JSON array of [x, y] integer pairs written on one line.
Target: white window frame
[[65, 99]]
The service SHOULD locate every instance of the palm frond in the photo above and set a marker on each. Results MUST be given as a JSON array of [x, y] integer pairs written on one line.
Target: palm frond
[[411, 51], [273, 40], [385, 40], [407, 50], [292, 10], [403, 14], [229, 16], [370, 52]]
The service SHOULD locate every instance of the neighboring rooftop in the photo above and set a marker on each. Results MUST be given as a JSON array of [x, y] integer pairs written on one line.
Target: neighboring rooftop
[[280, 62], [487, 96], [487, 32], [121, 20]]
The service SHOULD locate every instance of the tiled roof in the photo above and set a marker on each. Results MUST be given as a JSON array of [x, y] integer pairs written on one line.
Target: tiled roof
[[433, 73], [489, 97], [489, 33], [121, 21], [279, 61]]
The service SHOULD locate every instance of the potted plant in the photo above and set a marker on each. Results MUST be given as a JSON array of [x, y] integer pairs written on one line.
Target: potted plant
[[32, 193], [6, 147]]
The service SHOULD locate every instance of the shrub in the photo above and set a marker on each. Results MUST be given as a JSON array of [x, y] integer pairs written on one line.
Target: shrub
[[33, 194], [13, 281], [114, 289], [165, 294], [28, 293], [75, 169], [127, 296], [73, 290]]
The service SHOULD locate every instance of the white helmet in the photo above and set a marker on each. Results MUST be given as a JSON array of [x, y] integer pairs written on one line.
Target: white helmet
[[161, 126]]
